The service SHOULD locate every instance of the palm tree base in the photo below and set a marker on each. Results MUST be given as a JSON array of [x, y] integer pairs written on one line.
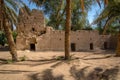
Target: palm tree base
[[14, 57], [117, 55], [66, 58]]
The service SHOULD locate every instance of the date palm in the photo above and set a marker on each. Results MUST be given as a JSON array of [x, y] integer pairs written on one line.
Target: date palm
[[112, 14], [8, 17], [68, 25]]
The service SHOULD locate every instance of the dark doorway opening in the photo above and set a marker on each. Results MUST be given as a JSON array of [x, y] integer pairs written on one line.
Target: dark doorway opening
[[91, 46], [73, 47], [105, 45], [33, 29], [32, 47]]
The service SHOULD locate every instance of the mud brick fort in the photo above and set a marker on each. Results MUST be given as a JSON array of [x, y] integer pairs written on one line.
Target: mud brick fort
[[33, 34]]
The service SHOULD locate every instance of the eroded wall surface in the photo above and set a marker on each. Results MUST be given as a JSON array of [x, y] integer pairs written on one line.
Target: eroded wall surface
[[33, 35]]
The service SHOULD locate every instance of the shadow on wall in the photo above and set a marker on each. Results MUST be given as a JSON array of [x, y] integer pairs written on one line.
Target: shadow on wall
[[46, 75], [97, 74]]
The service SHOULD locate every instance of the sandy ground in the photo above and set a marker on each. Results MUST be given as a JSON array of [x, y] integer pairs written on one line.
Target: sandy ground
[[44, 66]]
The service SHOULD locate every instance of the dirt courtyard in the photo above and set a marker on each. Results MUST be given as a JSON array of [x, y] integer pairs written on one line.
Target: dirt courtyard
[[45, 65]]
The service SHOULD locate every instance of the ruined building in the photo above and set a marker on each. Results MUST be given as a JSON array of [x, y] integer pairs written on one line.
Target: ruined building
[[34, 35]]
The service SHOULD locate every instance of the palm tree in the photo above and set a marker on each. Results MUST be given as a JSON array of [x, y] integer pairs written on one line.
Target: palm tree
[[8, 17], [67, 29], [111, 14], [68, 25]]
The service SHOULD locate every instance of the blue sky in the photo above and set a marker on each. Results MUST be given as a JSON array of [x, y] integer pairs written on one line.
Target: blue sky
[[91, 14], [31, 6]]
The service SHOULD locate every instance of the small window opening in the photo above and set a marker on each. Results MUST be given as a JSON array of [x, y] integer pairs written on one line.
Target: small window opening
[[33, 29]]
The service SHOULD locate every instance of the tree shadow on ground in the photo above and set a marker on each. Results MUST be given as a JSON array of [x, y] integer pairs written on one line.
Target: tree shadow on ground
[[100, 74], [104, 52], [33, 63], [45, 75], [42, 62], [110, 74], [13, 71], [56, 62], [78, 74], [97, 74], [62, 61], [104, 57], [3, 61]]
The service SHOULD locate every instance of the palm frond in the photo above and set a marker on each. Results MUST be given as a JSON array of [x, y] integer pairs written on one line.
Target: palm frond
[[37, 2], [11, 4], [109, 21], [98, 1], [82, 5], [11, 15], [111, 13]]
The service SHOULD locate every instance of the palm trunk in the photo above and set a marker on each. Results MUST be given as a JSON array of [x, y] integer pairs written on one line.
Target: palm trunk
[[0, 15], [8, 33], [67, 29], [10, 39], [118, 46]]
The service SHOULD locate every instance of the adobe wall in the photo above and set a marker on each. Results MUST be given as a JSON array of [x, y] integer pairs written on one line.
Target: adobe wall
[[32, 33], [83, 38], [43, 41], [57, 40], [54, 40], [113, 42]]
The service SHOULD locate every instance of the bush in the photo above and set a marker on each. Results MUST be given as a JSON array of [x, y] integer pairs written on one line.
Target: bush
[[3, 39], [14, 33], [9, 61], [24, 58]]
